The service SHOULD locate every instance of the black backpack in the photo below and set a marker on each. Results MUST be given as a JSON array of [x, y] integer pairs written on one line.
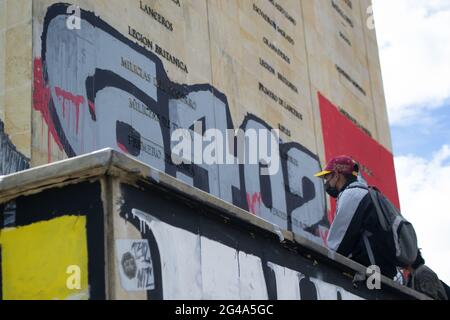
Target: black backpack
[[401, 233]]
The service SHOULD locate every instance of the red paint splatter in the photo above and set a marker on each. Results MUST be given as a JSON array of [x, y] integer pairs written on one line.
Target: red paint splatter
[[41, 101], [324, 235], [122, 147], [76, 101], [92, 109], [330, 216], [254, 202]]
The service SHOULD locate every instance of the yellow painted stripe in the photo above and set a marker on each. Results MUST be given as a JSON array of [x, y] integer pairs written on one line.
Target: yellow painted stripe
[[35, 259]]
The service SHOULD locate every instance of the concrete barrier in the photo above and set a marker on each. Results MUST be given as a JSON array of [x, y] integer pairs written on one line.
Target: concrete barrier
[[106, 226]]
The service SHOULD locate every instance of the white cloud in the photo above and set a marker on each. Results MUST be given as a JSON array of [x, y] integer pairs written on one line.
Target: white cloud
[[424, 188], [414, 41]]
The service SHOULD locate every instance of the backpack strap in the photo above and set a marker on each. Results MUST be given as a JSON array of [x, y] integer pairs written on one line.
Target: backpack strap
[[373, 196], [380, 213], [366, 234]]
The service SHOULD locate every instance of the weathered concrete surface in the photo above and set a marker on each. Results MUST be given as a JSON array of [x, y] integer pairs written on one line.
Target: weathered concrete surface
[[16, 69], [148, 235]]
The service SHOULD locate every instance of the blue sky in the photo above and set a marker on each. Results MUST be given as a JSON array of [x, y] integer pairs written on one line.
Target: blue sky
[[414, 45], [424, 136]]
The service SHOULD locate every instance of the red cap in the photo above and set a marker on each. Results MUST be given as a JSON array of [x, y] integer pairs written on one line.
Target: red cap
[[339, 164]]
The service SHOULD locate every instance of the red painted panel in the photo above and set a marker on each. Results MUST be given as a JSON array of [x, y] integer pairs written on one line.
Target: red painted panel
[[342, 136]]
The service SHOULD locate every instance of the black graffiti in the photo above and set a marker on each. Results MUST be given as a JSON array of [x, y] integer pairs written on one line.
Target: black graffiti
[[201, 222], [308, 290], [133, 142], [145, 277], [11, 160], [141, 251]]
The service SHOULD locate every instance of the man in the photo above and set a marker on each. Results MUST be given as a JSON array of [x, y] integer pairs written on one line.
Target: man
[[355, 232]]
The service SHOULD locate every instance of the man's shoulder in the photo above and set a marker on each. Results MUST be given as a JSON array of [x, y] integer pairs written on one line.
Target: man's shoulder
[[354, 189], [352, 196]]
